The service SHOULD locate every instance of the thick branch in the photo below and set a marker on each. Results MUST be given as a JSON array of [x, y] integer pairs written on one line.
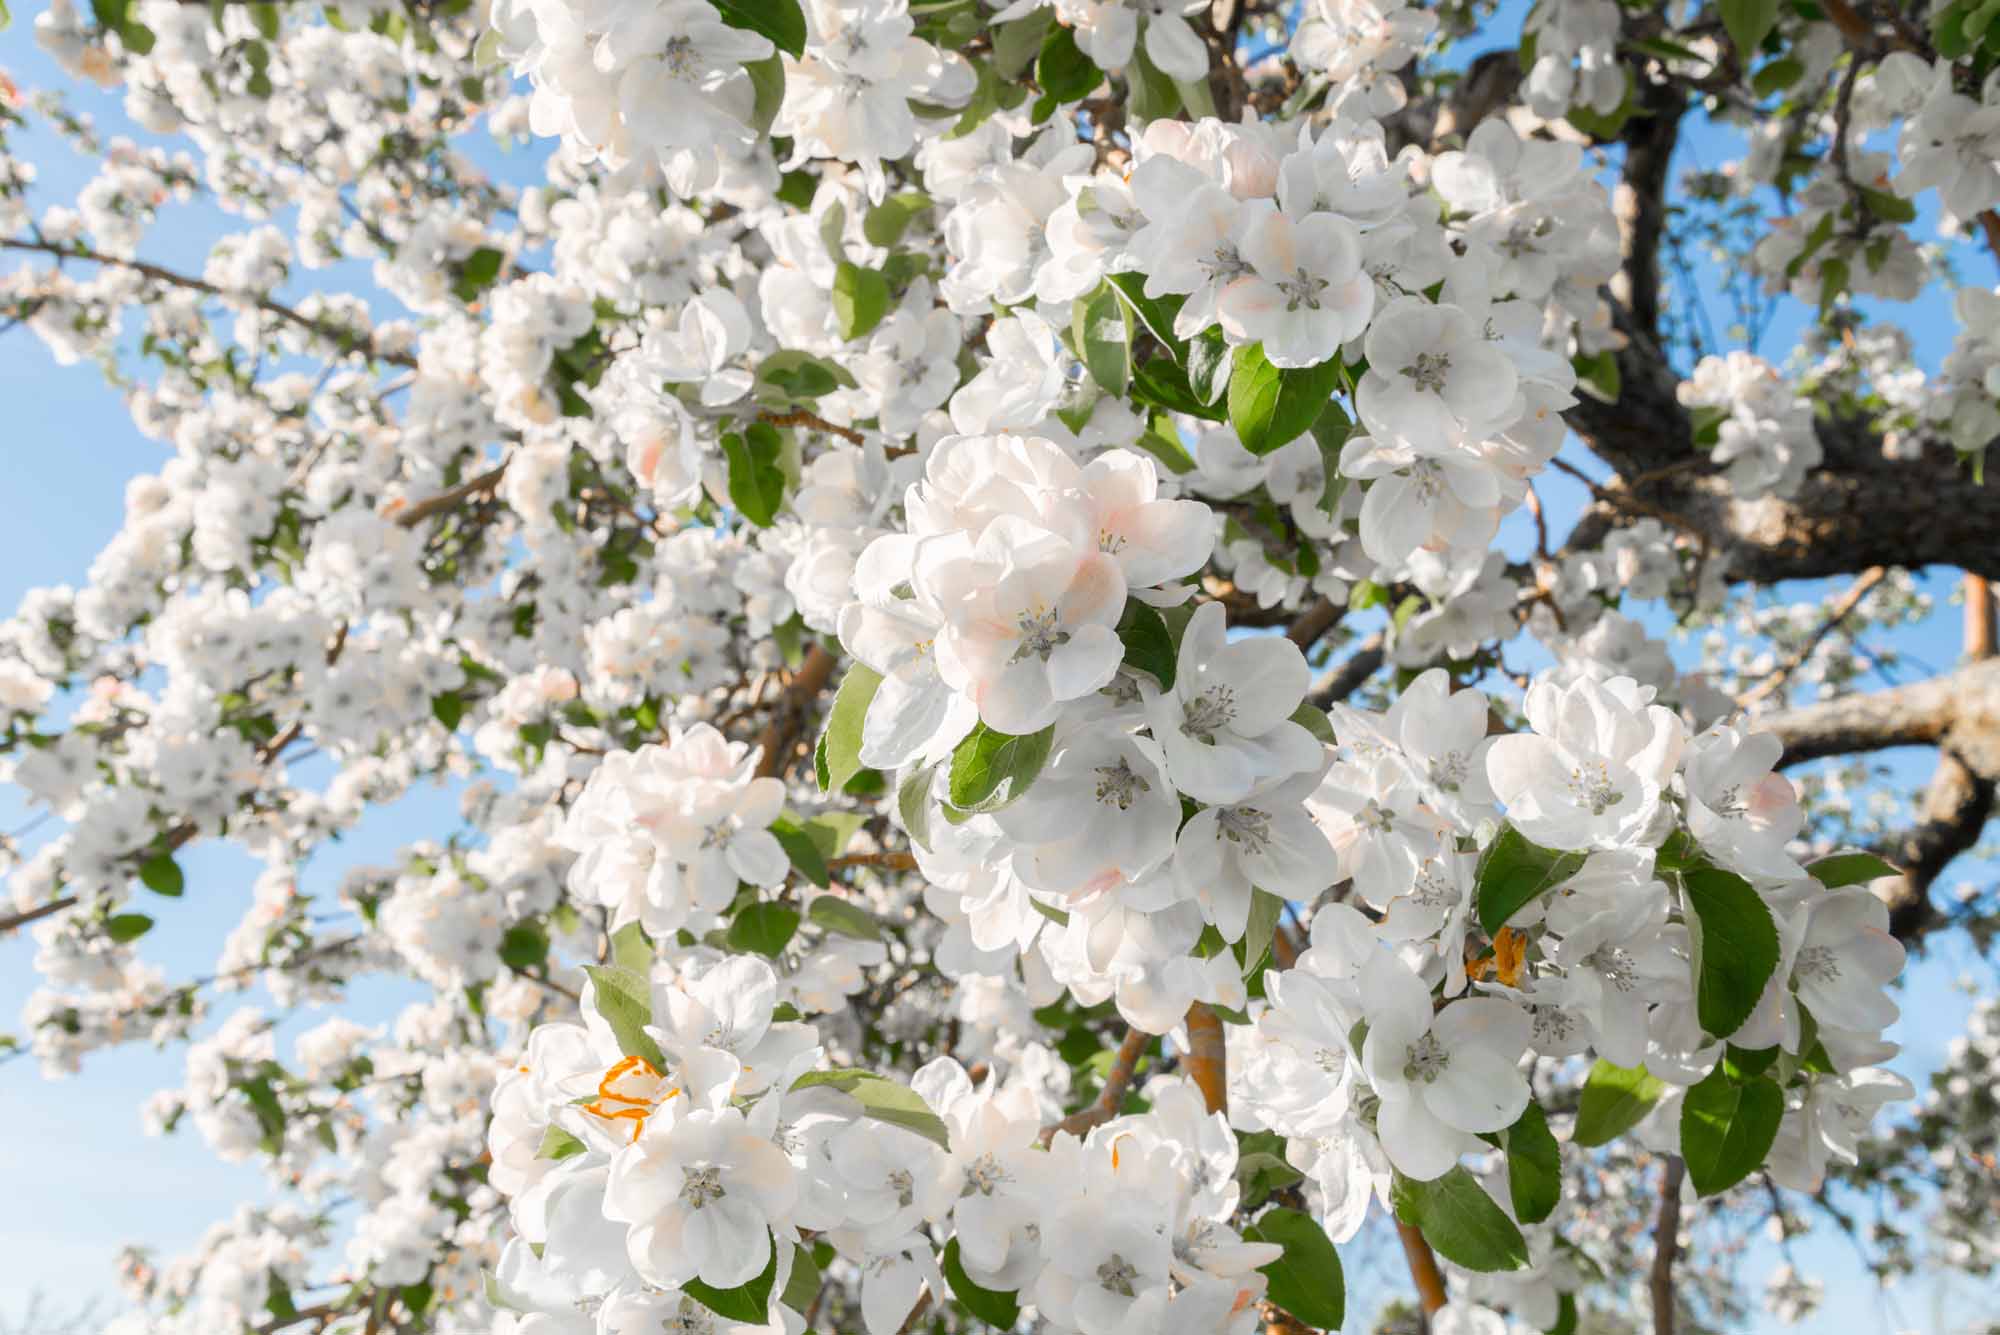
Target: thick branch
[[1960, 714], [1921, 714], [1860, 509]]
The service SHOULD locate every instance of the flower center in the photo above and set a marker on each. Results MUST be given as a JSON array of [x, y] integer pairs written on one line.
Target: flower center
[[1118, 784], [1302, 289], [1449, 770], [1116, 1275], [1039, 636], [1246, 826], [1818, 963], [1224, 264], [1207, 713], [680, 57], [1615, 965], [700, 1184], [1428, 1060], [983, 1175], [1428, 370], [1590, 786]]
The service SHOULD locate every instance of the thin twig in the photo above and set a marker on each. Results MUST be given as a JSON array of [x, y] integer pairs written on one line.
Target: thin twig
[[328, 331], [1840, 611]]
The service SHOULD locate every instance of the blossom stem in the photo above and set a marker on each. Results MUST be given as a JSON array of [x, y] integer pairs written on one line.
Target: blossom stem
[[1424, 1272]]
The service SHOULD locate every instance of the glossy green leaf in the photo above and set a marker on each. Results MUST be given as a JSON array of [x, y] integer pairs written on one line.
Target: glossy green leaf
[[1534, 1166], [1271, 406], [842, 739], [1002, 1311], [1735, 946], [1306, 1281], [1615, 1099], [883, 1099], [990, 769], [763, 929], [1463, 1223], [1727, 1128], [1513, 872], [625, 1000]]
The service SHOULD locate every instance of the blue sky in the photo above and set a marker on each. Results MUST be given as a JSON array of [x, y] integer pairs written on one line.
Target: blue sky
[[73, 1153]]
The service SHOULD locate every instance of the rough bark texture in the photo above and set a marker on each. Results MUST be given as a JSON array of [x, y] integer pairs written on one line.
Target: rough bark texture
[[1958, 713]]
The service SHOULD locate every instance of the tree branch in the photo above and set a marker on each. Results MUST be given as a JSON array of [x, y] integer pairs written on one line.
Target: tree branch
[[1208, 1057], [1117, 1082], [781, 733], [1666, 1245]]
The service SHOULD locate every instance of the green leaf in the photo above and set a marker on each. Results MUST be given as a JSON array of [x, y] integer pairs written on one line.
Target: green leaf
[[124, 927], [1615, 1099], [990, 769], [1850, 869], [524, 946], [1209, 358], [830, 831], [1598, 375], [746, 1302], [559, 1144], [913, 804], [800, 376], [887, 221], [1162, 441], [1735, 947], [631, 950], [1748, 22], [1260, 929], [763, 929], [785, 24], [476, 273], [1534, 1166], [805, 855], [1888, 205], [1102, 329], [448, 709], [1017, 42], [1002, 1311], [884, 1100], [767, 77], [1727, 1128], [802, 1285], [756, 481], [1513, 873], [845, 917], [625, 1000], [1777, 76], [1149, 648], [1461, 1221], [1062, 70], [1271, 406], [860, 299], [1305, 1281], [1315, 721], [1156, 313], [162, 875], [842, 739]]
